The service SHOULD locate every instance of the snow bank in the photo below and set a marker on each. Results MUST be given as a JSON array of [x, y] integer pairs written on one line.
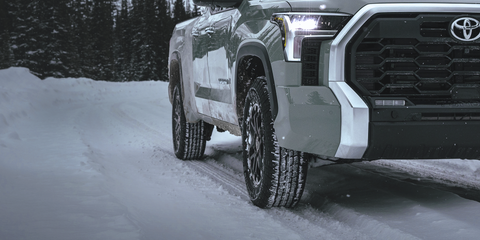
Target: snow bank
[[83, 159], [17, 92]]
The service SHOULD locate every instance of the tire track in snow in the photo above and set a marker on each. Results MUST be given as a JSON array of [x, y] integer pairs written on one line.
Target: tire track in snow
[[330, 221], [292, 219], [454, 173], [426, 174], [228, 180], [310, 220], [132, 122], [310, 217]]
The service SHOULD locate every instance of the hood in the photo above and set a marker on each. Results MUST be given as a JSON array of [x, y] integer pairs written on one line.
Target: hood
[[352, 6]]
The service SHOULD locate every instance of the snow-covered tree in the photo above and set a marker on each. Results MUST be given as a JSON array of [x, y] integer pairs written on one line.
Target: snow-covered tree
[[24, 34], [41, 37], [81, 19], [90, 38], [101, 30], [179, 11], [56, 55], [165, 28], [6, 54], [144, 56], [123, 50]]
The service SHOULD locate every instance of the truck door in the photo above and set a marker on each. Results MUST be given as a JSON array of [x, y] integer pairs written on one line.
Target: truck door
[[219, 61], [201, 39]]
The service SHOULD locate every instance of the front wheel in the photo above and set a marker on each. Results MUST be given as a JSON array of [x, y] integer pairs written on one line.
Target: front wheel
[[189, 139], [275, 176]]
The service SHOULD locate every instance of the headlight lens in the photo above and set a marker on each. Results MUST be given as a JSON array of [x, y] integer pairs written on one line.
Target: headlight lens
[[297, 26]]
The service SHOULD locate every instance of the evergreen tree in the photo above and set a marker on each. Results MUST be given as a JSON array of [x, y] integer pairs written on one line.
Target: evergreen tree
[[165, 28], [179, 12], [148, 57], [122, 43], [151, 27], [42, 34], [75, 38], [137, 40], [144, 58], [81, 17], [41, 37], [56, 55], [195, 12], [101, 31], [23, 34], [6, 54]]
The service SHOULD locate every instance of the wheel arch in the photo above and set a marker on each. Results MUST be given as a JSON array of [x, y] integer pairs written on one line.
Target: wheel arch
[[175, 74], [254, 51]]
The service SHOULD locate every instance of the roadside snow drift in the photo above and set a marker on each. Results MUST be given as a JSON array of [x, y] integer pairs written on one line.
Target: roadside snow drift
[[83, 159]]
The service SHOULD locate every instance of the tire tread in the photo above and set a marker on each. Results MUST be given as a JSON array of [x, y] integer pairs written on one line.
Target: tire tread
[[285, 170], [192, 135]]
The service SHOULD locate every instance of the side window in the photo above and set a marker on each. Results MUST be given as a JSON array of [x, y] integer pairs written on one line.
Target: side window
[[216, 10], [203, 10]]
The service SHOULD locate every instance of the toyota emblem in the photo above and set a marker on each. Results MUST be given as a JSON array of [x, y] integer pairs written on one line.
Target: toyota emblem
[[465, 29]]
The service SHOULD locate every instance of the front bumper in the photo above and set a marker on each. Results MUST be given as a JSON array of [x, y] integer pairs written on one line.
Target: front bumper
[[424, 140], [328, 123], [356, 131], [441, 138]]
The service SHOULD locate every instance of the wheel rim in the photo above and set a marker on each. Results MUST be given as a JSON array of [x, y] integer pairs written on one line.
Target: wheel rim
[[177, 120], [254, 145]]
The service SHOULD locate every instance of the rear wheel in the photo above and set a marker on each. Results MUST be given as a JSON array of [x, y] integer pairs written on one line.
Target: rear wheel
[[189, 139], [275, 176]]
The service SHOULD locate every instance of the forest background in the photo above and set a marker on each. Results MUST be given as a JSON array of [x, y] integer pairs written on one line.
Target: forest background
[[112, 40]]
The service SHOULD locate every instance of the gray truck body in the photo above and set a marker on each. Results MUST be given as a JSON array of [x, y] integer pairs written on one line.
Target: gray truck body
[[399, 80]]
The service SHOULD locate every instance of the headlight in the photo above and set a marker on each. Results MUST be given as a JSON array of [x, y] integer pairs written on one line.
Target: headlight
[[297, 26]]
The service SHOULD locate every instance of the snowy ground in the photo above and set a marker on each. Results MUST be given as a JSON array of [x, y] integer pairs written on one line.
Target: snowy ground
[[83, 159]]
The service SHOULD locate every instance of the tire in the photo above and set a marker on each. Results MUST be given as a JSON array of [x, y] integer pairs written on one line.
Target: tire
[[189, 139], [275, 176]]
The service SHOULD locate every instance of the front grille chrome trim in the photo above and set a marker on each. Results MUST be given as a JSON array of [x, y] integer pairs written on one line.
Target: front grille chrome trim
[[354, 140]]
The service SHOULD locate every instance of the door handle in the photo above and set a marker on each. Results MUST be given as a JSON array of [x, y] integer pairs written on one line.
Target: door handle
[[210, 30], [195, 32]]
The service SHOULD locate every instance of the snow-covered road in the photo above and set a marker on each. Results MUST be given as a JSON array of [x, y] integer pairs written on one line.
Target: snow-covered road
[[83, 159]]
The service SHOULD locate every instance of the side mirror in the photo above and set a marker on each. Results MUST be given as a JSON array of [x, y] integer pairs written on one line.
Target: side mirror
[[218, 3]]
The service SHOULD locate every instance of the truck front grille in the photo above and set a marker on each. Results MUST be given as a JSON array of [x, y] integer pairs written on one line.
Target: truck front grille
[[414, 57], [310, 61]]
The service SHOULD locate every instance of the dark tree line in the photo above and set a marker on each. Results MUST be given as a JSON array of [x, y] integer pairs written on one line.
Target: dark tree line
[[115, 40]]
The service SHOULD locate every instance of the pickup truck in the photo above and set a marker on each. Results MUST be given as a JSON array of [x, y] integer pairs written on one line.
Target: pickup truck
[[340, 80]]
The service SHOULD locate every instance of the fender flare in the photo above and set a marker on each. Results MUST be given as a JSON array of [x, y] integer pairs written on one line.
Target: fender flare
[[175, 56], [257, 49]]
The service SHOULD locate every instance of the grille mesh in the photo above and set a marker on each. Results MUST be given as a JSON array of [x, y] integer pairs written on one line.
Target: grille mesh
[[425, 65], [310, 58]]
